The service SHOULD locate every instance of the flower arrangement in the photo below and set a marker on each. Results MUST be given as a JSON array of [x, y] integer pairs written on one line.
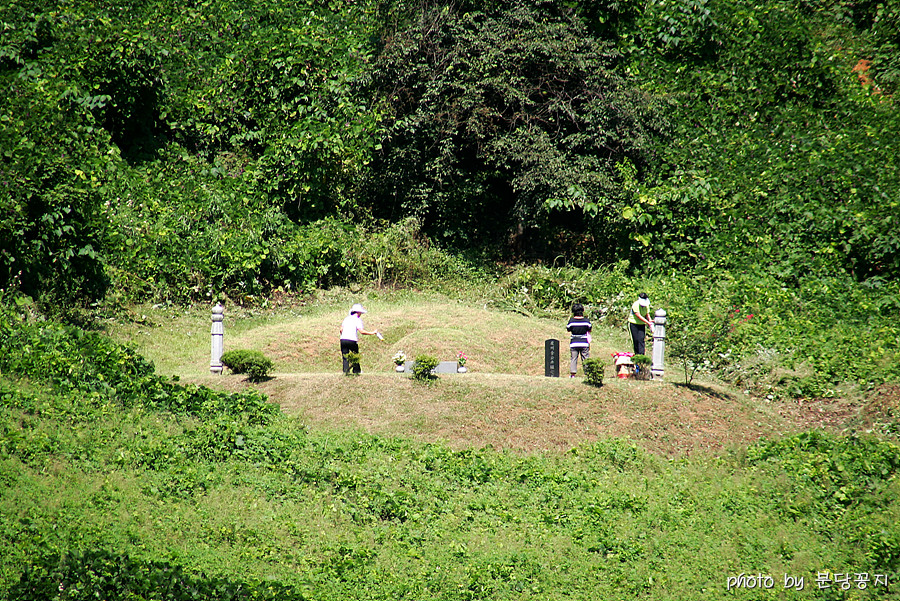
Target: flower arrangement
[[461, 358], [399, 358]]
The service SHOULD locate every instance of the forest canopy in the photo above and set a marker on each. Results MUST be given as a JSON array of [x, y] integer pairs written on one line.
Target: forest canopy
[[240, 147]]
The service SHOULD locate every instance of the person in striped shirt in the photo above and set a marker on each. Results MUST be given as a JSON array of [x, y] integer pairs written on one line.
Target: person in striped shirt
[[580, 344]]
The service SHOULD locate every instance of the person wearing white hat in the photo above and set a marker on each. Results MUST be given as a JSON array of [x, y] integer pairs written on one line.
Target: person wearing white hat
[[638, 320], [351, 328]]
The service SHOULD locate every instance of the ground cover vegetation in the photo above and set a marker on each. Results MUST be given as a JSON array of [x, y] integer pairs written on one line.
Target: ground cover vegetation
[[737, 161], [124, 484]]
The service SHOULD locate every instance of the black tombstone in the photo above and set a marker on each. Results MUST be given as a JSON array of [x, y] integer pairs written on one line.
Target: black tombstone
[[551, 358]]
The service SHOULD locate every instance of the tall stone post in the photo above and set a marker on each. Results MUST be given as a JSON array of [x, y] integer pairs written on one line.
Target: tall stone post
[[659, 344], [218, 339]]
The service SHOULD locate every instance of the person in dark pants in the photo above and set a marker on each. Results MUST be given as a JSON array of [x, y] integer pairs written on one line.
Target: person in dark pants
[[351, 328], [638, 321], [580, 344]]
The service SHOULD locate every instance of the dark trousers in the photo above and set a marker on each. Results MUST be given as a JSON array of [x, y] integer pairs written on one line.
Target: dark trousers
[[638, 331], [346, 347]]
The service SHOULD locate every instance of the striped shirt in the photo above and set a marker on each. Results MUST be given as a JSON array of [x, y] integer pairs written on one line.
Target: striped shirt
[[579, 327]]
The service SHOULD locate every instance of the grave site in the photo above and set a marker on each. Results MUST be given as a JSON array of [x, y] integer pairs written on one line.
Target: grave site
[[497, 483], [505, 399]]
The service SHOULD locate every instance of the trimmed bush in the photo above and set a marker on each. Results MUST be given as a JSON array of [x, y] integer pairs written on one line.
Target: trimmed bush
[[593, 372], [423, 368], [253, 363]]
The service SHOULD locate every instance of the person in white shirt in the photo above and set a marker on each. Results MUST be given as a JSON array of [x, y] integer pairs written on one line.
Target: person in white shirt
[[351, 328]]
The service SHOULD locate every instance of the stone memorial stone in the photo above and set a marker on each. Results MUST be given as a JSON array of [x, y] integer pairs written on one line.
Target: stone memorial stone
[[551, 358]]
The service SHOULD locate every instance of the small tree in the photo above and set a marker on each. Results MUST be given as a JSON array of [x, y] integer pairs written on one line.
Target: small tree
[[593, 372], [703, 339]]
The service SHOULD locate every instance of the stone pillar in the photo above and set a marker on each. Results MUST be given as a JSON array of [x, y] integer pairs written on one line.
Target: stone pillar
[[218, 339], [659, 344]]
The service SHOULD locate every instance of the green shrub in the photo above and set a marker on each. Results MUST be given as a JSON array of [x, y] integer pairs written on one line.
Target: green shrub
[[352, 363], [593, 372], [423, 368], [641, 367], [253, 363]]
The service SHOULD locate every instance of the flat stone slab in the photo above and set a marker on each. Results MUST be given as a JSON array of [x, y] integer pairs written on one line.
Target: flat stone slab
[[444, 367]]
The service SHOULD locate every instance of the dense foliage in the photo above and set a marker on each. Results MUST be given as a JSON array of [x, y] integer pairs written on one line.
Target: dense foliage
[[505, 122], [229, 148], [780, 158], [126, 126]]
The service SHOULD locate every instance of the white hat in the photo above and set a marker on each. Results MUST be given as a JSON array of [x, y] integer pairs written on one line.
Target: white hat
[[357, 308]]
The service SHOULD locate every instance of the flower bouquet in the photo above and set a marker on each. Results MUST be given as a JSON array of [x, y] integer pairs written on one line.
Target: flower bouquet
[[399, 360]]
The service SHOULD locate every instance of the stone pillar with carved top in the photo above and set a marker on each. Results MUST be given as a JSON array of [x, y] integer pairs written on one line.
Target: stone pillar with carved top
[[218, 339]]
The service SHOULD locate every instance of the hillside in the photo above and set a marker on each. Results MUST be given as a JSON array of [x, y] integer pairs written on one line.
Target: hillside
[[122, 484], [504, 401]]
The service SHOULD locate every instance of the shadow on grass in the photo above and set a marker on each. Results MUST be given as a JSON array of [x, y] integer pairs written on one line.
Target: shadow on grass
[[705, 390]]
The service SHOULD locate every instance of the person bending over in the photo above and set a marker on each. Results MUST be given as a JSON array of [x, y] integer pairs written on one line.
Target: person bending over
[[351, 328], [638, 320]]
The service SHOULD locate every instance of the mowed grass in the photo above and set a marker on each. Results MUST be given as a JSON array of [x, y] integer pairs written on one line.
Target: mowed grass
[[304, 339], [504, 401]]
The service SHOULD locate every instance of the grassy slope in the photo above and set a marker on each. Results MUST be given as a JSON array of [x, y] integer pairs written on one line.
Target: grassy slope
[[313, 502]]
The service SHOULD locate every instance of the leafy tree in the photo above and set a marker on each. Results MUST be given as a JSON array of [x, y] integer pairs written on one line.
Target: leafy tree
[[503, 123], [778, 159], [53, 164]]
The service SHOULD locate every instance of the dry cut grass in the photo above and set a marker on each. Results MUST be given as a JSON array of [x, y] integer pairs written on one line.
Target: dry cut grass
[[504, 400]]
